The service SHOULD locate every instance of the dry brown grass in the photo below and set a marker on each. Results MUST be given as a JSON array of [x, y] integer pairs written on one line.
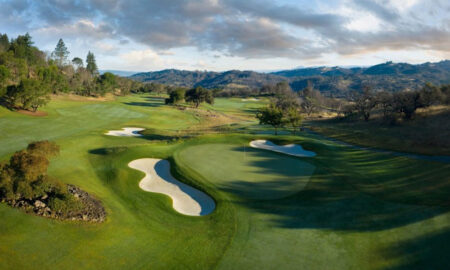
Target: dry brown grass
[[428, 133], [72, 97]]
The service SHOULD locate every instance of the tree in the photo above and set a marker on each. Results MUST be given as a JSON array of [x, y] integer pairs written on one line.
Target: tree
[[364, 103], [91, 65], [309, 98], [106, 83], [198, 95], [386, 102], [60, 53], [294, 118], [271, 115], [4, 42], [25, 176], [21, 46], [445, 90], [30, 93], [431, 95], [4, 76], [282, 88], [77, 62], [176, 96], [407, 102], [43, 148], [52, 79]]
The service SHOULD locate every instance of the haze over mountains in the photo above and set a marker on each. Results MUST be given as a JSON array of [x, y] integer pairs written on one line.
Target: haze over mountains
[[332, 81]]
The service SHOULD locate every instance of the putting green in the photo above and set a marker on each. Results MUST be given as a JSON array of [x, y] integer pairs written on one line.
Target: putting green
[[247, 172]]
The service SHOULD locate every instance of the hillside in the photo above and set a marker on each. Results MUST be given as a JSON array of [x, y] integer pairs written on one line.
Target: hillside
[[229, 79], [332, 81]]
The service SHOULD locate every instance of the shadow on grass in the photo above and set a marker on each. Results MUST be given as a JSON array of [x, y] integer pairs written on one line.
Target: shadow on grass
[[108, 151], [351, 191], [143, 104], [150, 102], [429, 251]]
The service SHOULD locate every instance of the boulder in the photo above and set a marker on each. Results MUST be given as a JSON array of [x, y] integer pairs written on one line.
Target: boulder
[[39, 204]]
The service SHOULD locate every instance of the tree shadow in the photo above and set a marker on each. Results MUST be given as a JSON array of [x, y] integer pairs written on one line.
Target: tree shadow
[[108, 150], [149, 102], [358, 195], [143, 104], [429, 251]]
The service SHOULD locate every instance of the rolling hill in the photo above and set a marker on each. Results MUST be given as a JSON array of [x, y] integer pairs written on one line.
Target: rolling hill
[[332, 81]]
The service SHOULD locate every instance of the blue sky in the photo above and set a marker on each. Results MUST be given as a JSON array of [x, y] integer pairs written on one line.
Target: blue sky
[[235, 34]]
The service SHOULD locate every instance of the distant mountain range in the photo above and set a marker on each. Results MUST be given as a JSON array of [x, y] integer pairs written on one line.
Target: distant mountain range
[[332, 81], [121, 73]]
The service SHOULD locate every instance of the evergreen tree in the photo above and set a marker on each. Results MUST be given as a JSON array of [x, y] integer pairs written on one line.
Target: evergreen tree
[[60, 53], [4, 42], [91, 65]]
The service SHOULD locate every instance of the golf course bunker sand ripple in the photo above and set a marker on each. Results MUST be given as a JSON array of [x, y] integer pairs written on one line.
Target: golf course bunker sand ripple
[[186, 199], [290, 149], [125, 132]]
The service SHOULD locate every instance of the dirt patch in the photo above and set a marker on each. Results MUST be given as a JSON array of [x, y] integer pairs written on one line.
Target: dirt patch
[[36, 113]]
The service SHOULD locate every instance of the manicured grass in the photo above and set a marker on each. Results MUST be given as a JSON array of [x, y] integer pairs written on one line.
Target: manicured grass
[[358, 209], [238, 168]]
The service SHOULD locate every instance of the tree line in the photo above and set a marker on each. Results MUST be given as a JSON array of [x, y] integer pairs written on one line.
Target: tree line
[[288, 108], [284, 109], [29, 76], [398, 105], [195, 96]]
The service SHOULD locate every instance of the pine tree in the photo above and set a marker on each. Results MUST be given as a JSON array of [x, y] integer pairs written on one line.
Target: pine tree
[[91, 65], [60, 53]]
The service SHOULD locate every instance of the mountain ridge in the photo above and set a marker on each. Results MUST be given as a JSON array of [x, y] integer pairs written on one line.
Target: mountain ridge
[[333, 81]]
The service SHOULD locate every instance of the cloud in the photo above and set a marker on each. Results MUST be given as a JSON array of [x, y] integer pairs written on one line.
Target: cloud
[[249, 29], [381, 10], [82, 28]]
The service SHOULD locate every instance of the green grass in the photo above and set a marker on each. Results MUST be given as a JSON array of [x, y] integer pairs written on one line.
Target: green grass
[[343, 209]]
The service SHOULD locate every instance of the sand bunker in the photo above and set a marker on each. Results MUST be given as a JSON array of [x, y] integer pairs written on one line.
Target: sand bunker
[[125, 132], [186, 200], [290, 149], [250, 99]]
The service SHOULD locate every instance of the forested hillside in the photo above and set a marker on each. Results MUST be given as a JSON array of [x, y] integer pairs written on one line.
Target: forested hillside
[[28, 76], [331, 81], [232, 79]]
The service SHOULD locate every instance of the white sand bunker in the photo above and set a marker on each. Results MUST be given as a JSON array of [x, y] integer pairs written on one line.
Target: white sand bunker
[[186, 199], [250, 99], [290, 149], [125, 132]]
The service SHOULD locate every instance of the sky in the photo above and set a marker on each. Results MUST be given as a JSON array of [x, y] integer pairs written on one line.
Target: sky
[[222, 35]]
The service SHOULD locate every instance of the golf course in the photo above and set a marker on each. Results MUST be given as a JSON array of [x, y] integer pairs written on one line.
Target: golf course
[[234, 199]]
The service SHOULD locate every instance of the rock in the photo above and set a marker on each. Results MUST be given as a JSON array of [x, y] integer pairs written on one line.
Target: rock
[[44, 197], [39, 204]]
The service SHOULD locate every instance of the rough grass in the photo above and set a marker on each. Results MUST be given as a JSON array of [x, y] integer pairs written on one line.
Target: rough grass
[[359, 209], [428, 133]]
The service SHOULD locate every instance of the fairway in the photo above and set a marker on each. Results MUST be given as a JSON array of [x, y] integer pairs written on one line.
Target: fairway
[[344, 208]]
